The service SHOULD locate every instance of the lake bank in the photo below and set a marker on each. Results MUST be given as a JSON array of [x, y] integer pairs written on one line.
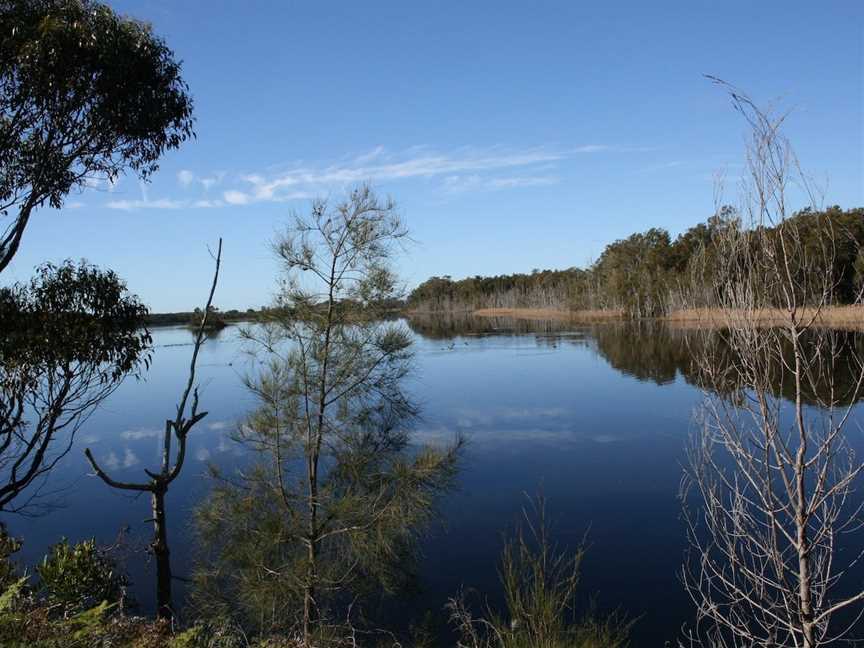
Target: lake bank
[[552, 314], [850, 317]]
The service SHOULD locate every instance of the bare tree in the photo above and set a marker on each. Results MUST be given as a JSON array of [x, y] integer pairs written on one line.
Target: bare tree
[[771, 467], [179, 428]]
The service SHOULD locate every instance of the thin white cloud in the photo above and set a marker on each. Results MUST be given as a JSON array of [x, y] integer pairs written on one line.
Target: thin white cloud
[[161, 203], [234, 197], [663, 166], [130, 459], [372, 155], [101, 183], [207, 204], [466, 168], [185, 177], [379, 165], [460, 184], [592, 148], [207, 183], [113, 462], [141, 433], [534, 181], [110, 460]]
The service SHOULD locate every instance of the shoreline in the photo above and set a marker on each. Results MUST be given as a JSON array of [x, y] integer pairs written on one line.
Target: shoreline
[[551, 314], [849, 317]]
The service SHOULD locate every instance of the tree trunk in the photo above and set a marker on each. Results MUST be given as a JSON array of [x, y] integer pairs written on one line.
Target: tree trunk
[[808, 629], [9, 246], [164, 606], [310, 616], [804, 576], [310, 613]]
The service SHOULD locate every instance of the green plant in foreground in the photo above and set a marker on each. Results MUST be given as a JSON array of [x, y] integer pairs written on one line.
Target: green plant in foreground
[[540, 586], [79, 577]]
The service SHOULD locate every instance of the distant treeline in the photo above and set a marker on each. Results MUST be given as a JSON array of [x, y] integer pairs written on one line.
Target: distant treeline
[[218, 318], [648, 274], [193, 318]]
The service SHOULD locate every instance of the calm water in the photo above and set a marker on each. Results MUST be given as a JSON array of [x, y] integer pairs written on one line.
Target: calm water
[[594, 417]]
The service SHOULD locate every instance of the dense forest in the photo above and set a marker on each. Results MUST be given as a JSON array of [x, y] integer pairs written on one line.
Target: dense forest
[[649, 274]]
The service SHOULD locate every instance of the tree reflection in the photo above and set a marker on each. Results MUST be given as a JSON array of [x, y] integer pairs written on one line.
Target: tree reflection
[[657, 352]]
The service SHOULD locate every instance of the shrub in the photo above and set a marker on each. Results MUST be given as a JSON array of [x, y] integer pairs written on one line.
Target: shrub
[[540, 585], [79, 577]]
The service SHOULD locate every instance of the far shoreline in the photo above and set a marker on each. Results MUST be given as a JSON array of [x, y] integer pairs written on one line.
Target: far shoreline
[[849, 317]]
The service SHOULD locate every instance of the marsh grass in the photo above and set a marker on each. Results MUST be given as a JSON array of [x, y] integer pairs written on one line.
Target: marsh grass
[[841, 317], [540, 585], [596, 315], [849, 318]]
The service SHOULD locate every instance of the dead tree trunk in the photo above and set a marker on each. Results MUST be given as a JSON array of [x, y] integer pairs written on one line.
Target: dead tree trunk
[[178, 428], [159, 547]]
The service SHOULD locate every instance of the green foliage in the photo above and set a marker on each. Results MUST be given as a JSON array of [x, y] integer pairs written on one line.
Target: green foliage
[[859, 276], [540, 289], [74, 606], [87, 624], [8, 547], [648, 274], [841, 232], [540, 586], [84, 93], [215, 319], [72, 314], [75, 578], [12, 613], [11, 593], [634, 273], [332, 510]]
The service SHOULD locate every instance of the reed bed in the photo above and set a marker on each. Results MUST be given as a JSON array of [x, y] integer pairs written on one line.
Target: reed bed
[[552, 314], [838, 317]]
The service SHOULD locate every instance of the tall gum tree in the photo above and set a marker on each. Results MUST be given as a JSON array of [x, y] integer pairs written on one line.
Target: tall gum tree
[[85, 95]]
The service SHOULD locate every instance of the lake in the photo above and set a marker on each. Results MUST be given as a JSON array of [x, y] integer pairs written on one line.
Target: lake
[[594, 417]]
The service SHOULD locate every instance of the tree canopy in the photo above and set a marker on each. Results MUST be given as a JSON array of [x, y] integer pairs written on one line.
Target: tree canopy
[[648, 273], [84, 96]]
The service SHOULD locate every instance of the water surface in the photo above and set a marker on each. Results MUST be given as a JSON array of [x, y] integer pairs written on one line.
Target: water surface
[[594, 417]]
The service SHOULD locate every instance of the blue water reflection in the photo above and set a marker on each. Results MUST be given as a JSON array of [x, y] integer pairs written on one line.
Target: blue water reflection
[[577, 413]]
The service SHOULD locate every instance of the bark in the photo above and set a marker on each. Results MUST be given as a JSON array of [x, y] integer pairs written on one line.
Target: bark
[[164, 603]]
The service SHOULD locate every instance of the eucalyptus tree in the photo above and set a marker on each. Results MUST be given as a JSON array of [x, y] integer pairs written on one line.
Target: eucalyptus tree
[[332, 507], [157, 484], [85, 95], [772, 535], [68, 338]]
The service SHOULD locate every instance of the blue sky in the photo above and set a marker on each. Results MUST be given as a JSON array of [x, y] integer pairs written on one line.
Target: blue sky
[[513, 135]]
